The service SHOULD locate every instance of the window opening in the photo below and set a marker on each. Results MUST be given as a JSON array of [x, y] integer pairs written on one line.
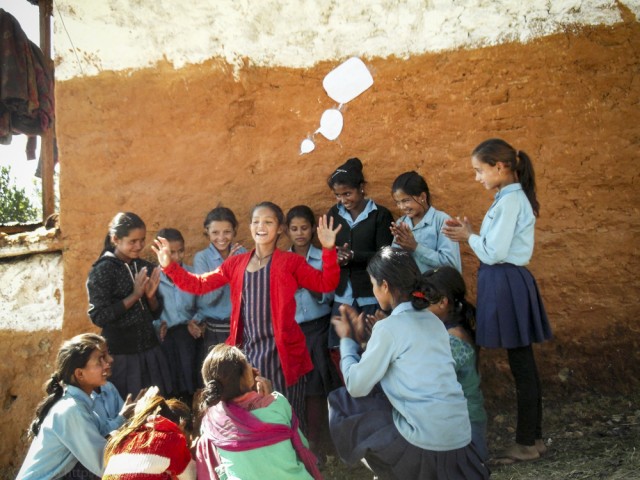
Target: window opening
[[29, 187]]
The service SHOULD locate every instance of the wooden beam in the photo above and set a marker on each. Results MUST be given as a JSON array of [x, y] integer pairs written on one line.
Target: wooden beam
[[46, 148]]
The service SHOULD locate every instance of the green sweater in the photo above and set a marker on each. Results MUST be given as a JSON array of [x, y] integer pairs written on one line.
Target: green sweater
[[464, 356], [274, 461]]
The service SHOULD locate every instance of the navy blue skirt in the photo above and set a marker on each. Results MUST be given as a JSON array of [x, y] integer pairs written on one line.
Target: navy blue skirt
[[363, 428], [323, 378], [135, 371], [180, 350], [510, 312]]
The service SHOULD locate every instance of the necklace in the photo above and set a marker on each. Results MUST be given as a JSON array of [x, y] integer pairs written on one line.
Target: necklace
[[261, 258]]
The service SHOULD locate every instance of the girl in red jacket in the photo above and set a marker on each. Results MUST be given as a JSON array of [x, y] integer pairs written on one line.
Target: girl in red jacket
[[263, 284]]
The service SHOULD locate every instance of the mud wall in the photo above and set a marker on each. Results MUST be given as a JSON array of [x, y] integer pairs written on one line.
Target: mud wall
[[171, 144], [173, 140]]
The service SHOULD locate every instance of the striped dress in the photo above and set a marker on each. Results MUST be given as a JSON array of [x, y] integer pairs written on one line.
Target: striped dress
[[258, 340]]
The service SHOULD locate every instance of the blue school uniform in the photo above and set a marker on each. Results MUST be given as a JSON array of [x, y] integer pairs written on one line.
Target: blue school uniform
[[107, 404], [510, 312], [308, 307], [213, 308], [434, 248], [69, 434], [314, 317], [418, 425], [178, 345]]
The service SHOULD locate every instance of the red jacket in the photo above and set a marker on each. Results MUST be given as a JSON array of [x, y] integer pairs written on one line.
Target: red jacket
[[289, 271]]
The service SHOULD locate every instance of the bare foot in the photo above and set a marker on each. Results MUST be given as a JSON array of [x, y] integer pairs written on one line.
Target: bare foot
[[517, 453], [541, 447]]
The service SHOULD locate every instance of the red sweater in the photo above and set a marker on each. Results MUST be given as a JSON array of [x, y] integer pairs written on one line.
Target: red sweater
[[289, 271]]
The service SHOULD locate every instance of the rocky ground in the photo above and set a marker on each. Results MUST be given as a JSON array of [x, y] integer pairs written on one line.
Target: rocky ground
[[589, 435]]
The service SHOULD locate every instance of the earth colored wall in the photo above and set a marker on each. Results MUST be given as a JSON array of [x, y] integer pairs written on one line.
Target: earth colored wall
[[171, 143]]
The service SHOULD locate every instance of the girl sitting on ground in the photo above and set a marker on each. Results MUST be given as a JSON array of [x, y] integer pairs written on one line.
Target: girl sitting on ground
[[153, 444], [67, 442], [417, 426], [247, 431]]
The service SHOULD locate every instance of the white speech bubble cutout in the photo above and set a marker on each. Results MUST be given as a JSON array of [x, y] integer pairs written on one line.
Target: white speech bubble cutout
[[307, 146], [347, 80], [331, 124]]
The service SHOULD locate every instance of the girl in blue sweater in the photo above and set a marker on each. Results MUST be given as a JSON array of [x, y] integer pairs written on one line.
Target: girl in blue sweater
[[418, 426]]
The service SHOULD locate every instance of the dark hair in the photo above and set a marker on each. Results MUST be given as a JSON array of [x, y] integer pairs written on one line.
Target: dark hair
[[497, 150], [221, 214], [412, 184], [349, 173], [277, 211], [173, 410], [222, 371], [301, 211], [401, 273], [120, 227], [73, 354], [447, 282], [171, 234]]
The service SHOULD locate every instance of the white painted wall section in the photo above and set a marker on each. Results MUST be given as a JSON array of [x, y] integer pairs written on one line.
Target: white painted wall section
[[31, 294], [91, 36]]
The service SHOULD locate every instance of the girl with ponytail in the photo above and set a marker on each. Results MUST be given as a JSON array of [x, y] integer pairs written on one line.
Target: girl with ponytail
[[510, 314], [445, 290], [123, 302], [66, 438], [417, 426], [248, 431]]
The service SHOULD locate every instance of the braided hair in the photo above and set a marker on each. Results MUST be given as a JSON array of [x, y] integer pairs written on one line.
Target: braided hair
[[222, 372], [73, 354]]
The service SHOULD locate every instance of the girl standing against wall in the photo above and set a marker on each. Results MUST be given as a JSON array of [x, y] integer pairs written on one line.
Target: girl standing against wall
[[510, 312], [123, 302]]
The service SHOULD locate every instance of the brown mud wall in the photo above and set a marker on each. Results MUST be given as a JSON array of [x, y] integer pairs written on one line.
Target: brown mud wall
[[172, 144]]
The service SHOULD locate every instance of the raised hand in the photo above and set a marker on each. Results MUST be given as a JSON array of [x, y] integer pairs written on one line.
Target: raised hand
[[403, 236], [345, 254], [458, 230], [151, 286], [343, 323], [263, 386], [326, 233], [162, 250], [140, 283], [234, 248]]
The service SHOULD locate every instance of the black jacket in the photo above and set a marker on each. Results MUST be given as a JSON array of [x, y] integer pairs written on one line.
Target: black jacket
[[365, 239], [109, 283]]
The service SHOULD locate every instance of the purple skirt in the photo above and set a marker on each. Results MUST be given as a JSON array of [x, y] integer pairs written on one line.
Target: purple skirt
[[510, 312]]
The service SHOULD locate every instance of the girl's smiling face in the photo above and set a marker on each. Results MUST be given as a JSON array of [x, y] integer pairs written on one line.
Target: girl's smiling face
[[129, 247], [221, 233], [94, 374], [491, 177], [300, 232], [348, 196], [413, 207], [265, 227]]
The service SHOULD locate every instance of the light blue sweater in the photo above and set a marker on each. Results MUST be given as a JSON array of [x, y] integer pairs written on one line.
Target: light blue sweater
[[409, 354], [69, 434]]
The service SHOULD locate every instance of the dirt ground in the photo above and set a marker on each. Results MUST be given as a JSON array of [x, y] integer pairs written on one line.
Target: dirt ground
[[589, 435]]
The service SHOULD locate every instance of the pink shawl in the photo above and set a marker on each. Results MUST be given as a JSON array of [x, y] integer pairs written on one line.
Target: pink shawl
[[230, 425]]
